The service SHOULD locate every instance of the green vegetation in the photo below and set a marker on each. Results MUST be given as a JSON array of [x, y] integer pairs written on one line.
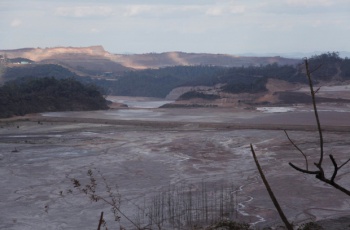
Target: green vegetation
[[38, 71], [345, 69], [159, 82], [252, 79], [2, 70], [48, 94], [2, 65], [326, 64], [248, 85]]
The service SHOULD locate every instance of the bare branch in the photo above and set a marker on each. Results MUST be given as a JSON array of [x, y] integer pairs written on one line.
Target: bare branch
[[344, 163], [334, 184], [335, 167], [340, 188], [303, 170], [317, 90], [292, 142], [308, 73]]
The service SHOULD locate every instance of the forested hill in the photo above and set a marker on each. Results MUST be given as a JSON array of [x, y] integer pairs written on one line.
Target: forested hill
[[160, 82], [37, 71], [35, 95], [251, 79]]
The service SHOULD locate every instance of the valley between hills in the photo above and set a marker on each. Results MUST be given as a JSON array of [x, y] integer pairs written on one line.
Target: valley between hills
[[190, 143]]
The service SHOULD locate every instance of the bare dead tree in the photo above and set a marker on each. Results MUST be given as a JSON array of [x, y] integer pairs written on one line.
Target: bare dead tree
[[320, 170]]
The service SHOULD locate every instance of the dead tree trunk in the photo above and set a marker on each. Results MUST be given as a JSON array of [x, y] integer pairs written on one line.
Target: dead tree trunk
[[271, 194]]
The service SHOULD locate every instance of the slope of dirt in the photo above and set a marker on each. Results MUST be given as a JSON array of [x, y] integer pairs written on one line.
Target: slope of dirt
[[273, 86]]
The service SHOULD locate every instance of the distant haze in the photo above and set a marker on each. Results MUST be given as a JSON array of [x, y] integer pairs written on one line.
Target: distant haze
[[207, 26]]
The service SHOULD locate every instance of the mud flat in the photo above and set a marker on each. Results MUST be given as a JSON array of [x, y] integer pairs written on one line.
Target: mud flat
[[146, 151]]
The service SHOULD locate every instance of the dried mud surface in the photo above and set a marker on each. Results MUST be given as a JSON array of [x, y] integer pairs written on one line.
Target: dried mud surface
[[145, 151]]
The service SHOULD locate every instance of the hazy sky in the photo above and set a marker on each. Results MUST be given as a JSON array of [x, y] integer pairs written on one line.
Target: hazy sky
[[142, 26]]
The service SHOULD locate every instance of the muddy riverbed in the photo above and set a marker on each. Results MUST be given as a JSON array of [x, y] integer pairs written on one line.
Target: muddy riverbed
[[40, 155]]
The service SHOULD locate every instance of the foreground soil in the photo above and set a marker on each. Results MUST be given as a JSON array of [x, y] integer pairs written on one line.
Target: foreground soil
[[146, 151]]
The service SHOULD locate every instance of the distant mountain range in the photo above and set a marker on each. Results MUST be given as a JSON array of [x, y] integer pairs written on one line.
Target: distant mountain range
[[96, 58]]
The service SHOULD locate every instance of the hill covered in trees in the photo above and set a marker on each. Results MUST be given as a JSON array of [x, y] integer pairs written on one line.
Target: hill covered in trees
[[37, 71], [251, 79], [160, 82], [33, 95]]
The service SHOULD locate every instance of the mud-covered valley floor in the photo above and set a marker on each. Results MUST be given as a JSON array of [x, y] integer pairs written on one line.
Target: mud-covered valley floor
[[146, 154]]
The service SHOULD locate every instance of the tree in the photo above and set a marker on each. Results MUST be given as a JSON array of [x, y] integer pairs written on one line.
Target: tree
[[320, 170], [271, 194], [2, 65], [34, 95], [320, 174]]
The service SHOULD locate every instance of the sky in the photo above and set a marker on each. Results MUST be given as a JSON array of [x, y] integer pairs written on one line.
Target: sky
[[210, 26]]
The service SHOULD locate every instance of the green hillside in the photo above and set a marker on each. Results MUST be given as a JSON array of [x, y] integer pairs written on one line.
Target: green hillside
[[159, 82], [48, 94]]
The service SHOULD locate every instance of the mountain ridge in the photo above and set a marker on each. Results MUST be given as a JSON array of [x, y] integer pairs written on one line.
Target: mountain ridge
[[201, 84], [108, 62]]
